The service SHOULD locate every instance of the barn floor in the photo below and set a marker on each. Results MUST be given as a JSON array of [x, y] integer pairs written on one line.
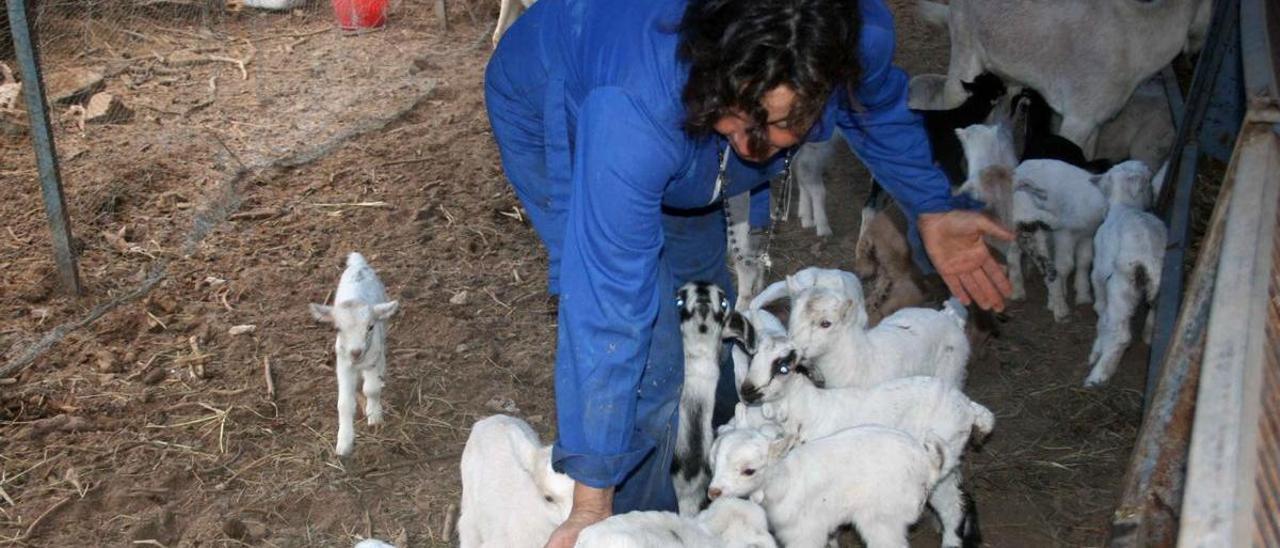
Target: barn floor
[[238, 195]]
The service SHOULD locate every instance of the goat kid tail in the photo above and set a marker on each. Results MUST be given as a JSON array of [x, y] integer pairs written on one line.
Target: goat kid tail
[[934, 13], [984, 421], [955, 309]]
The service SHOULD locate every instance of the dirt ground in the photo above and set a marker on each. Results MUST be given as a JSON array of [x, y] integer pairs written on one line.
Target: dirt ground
[[235, 197]]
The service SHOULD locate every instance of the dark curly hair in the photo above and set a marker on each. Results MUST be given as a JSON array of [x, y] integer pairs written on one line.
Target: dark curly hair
[[737, 50]]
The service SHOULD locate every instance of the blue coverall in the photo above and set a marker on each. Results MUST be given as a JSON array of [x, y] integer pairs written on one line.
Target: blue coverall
[[584, 97]]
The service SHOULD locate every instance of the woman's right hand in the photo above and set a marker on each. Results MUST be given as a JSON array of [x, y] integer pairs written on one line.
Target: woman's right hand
[[590, 505]]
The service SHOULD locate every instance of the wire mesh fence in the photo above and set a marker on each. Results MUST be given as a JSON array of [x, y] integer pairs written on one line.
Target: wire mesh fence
[[158, 106]]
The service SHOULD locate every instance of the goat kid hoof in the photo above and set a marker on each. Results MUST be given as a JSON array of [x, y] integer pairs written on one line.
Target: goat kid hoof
[[343, 454], [375, 420]]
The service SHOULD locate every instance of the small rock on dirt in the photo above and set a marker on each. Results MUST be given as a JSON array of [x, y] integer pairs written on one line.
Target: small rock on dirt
[[153, 376], [242, 329], [459, 298], [504, 404], [72, 85], [105, 108], [106, 361]]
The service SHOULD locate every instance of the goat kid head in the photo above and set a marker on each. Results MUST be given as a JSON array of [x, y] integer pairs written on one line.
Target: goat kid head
[[740, 457], [987, 144], [703, 309], [772, 356], [1127, 183], [356, 322], [821, 316], [556, 488]]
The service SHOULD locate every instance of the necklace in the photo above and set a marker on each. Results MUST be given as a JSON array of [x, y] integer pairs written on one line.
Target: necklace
[[780, 212]]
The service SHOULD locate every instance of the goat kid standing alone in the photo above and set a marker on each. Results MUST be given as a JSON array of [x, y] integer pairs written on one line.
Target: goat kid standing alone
[[360, 311]]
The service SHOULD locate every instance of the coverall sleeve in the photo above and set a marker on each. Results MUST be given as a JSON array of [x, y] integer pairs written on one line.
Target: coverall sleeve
[[888, 137], [609, 288]]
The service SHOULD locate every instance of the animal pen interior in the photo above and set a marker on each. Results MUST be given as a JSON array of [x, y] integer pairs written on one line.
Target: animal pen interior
[[186, 398]]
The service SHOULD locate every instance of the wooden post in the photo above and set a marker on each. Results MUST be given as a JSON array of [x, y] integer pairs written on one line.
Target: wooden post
[[55, 206]]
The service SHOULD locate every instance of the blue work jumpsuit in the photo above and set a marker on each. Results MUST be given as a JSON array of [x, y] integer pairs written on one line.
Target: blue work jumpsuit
[[584, 97]]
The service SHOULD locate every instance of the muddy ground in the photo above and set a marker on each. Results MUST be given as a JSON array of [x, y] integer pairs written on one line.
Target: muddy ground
[[234, 197]]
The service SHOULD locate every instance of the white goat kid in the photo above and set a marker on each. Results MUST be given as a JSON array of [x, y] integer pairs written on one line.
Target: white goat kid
[[1056, 199], [874, 477], [360, 311], [727, 523], [1130, 246], [828, 329], [920, 406], [703, 307], [989, 151], [511, 498], [1129, 42]]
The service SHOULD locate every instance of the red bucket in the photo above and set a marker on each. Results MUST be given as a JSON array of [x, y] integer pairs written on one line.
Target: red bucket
[[360, 14]]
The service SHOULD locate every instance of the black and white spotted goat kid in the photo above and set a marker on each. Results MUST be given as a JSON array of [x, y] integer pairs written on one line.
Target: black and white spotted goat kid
[[703, 307]]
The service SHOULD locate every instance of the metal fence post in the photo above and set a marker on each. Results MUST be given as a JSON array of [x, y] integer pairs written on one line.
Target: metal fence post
[[55, 205]]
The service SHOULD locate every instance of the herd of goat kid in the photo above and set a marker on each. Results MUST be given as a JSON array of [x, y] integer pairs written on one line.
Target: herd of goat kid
[[868, 380]]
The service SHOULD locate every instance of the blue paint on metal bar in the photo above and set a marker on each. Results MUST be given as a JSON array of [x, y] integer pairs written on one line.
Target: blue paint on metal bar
[[1226, 107], [1174, 201], [1260, 41], [55, 206]]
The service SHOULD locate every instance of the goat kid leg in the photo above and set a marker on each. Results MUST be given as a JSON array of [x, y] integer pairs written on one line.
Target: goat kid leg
[[373, 392], [818, 202], [1014, 258], [948, 503], [806, 206], [1084, 266], [1063, 256], [346, 407], [1113, 331], [885, 532], [1100, 290], [746, 265], [508, 11]]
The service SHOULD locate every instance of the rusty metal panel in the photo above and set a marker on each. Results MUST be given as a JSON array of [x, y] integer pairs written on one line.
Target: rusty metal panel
[[1266, 511], [1221, 491]]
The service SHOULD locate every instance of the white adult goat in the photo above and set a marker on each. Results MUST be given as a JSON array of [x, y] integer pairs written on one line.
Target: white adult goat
[[360, 311], [1037, 44]]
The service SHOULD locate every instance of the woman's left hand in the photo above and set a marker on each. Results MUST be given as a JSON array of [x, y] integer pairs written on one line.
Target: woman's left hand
[[954, 242]]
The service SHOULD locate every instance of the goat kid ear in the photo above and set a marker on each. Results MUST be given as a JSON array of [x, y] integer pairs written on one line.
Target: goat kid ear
[[738, 330], [385, 310], [779, 446], [321, 312]]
